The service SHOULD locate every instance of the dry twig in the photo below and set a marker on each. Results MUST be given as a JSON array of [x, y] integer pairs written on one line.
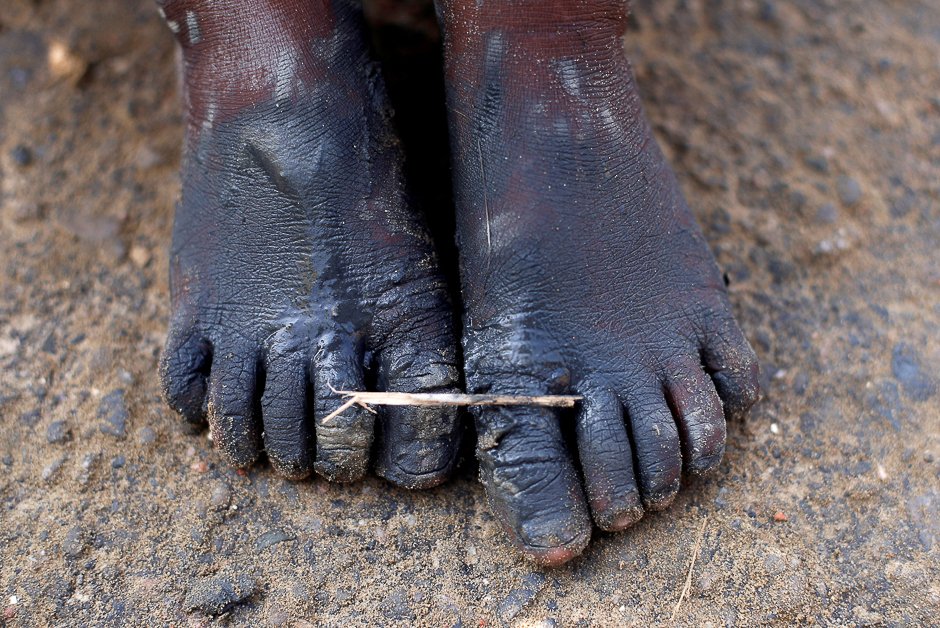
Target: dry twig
[[688, 580], [364, 399]]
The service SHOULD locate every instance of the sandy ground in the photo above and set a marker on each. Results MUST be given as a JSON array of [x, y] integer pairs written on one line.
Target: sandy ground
[[806, 134]]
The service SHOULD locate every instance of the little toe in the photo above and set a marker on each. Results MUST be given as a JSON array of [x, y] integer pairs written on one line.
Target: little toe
[[418, 444], [235, 427], [531, 483], [656, 445], [699, 418], [184, 366], [287, 438], [344, 441], [607, 462], [734, 369]]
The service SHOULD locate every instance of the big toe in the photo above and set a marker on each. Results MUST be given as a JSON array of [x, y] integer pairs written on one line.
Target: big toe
[[343, 441], [531, 482], [418, 444]]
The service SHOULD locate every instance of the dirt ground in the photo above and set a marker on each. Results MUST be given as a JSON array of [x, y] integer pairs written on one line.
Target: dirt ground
[[806, 134]]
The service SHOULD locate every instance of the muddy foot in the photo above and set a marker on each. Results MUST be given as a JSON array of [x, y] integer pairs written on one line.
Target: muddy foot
[[583, 272], [298, 263]]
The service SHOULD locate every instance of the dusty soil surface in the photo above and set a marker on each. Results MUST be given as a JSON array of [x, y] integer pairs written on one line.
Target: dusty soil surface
[[806, 134]]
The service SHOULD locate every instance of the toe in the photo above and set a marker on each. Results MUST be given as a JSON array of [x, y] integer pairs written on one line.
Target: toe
[[344, 441], [183, 369], [699, 418], [418, 444], [235, 427], [531, 483], [734, 369], [287, 439], [656, 446], [607, 462]]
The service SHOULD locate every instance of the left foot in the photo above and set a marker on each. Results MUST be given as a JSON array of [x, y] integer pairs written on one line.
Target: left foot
[[298, 262], [584, 272]]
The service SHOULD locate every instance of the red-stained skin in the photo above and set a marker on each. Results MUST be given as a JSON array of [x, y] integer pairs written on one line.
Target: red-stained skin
[[223, 85]]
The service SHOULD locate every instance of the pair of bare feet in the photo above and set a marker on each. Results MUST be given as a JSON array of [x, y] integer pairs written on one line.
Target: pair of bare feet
[[299, 263]]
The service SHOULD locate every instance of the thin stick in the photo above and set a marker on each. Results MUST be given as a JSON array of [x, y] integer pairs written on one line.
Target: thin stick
[[688, 580], [441, 399]]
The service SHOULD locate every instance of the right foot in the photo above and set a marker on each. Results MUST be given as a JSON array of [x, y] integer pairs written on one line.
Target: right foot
[[583, 271], [298, 263]]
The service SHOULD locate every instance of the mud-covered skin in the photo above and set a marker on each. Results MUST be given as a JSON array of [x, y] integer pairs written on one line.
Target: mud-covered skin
[[297, 261], [583, 271]]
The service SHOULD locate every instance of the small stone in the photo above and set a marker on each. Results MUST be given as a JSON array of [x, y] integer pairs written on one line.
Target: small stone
[[720, 501], [818, 163], [114, 412], [21, 155], [906, 366], [928, 457], [272, 537], [774, 564], [118, 462], [520, 596], [58, 432], [827, 214], [220, 496], [31, 418], [146, 435], [780, 516], [396, 606], [50, 469], [218, 595], [74, 542], [768, 11], [8, 460], [64, 63], [25, 210], [140, 256], [850, 192], [147, 158]]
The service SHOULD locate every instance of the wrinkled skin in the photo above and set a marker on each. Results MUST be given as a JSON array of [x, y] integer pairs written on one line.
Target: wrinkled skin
[[298, 262], [583, 272]]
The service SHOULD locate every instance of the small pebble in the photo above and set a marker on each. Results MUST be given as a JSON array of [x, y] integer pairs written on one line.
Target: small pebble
[[146, 435], [220, 594], [827, 214], [58, 432], [818, 163], [31, 418], [272, 537], [74, 542], [118, 462], [220, 496], [50, 469], [148, 158], [780, 516], [928, 457], [21, 155], [521, 596], [850, 192], [140, 256], [114, 412]]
